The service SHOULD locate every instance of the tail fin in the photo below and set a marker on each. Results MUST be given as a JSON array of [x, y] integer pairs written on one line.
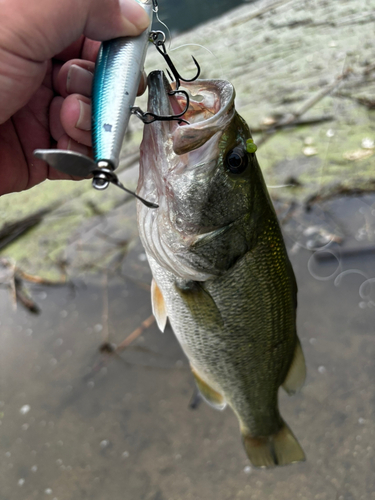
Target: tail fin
[[281, 448]]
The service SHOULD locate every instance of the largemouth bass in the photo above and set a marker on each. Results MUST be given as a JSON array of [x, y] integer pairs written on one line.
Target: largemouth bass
[[220, 269]]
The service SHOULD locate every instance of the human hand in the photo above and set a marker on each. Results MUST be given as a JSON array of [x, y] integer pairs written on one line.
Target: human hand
[[46, 70]]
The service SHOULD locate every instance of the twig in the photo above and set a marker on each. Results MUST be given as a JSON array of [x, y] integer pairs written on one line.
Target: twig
[[297, 123], [136, 333], [141, 284], [24, 298], [15, 279], [115, 241], [308, 105], [108, 348], [340, 189], [38, 279], [364, 101]]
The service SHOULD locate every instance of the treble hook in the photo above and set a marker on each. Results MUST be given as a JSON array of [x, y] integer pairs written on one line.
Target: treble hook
[[153, 117], [160, 45]]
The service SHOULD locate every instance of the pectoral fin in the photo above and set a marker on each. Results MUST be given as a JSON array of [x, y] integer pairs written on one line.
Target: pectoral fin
[[297, 372], [201, 305], [211, 396], [158, 306]]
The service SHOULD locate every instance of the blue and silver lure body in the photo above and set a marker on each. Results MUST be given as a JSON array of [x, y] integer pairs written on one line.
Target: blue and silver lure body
[[116, 81], [117, 76]]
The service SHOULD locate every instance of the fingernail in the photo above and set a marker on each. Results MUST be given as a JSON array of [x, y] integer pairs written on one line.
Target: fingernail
[[134, 14], [79, 80], [84, 119]]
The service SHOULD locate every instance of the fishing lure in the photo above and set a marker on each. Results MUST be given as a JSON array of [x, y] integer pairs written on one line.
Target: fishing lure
[[117, 76]]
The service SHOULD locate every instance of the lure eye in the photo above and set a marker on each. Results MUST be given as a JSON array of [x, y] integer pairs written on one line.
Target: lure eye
[[236, 160]]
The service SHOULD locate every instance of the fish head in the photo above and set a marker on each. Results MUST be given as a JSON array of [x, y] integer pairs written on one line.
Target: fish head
[[201, 175]]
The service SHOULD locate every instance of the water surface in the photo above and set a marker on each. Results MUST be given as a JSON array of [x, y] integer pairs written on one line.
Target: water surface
[[183, 15], [77, 423]]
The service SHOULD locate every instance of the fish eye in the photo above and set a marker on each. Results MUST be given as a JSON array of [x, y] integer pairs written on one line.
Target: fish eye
[[236, 160]]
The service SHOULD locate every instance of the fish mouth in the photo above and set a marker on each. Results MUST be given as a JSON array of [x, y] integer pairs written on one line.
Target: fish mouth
[[210, 109], [178, 161]]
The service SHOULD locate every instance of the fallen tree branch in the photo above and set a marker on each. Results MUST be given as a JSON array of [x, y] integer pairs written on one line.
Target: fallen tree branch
[[291, 119], [297, 123]]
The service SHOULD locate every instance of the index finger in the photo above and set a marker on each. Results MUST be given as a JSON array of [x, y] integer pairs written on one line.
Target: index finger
[[83, 48]]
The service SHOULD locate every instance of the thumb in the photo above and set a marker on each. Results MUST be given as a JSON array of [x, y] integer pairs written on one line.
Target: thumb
[[124, 18], [33, 32], [39, 30]]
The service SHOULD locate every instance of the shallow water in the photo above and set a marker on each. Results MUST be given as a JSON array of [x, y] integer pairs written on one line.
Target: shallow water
[[76, 423]]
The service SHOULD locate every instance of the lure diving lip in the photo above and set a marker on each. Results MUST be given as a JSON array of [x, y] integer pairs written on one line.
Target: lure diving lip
[[73, 163]]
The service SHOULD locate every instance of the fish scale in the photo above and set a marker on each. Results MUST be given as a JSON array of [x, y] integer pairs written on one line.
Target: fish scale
[[226, 347]]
